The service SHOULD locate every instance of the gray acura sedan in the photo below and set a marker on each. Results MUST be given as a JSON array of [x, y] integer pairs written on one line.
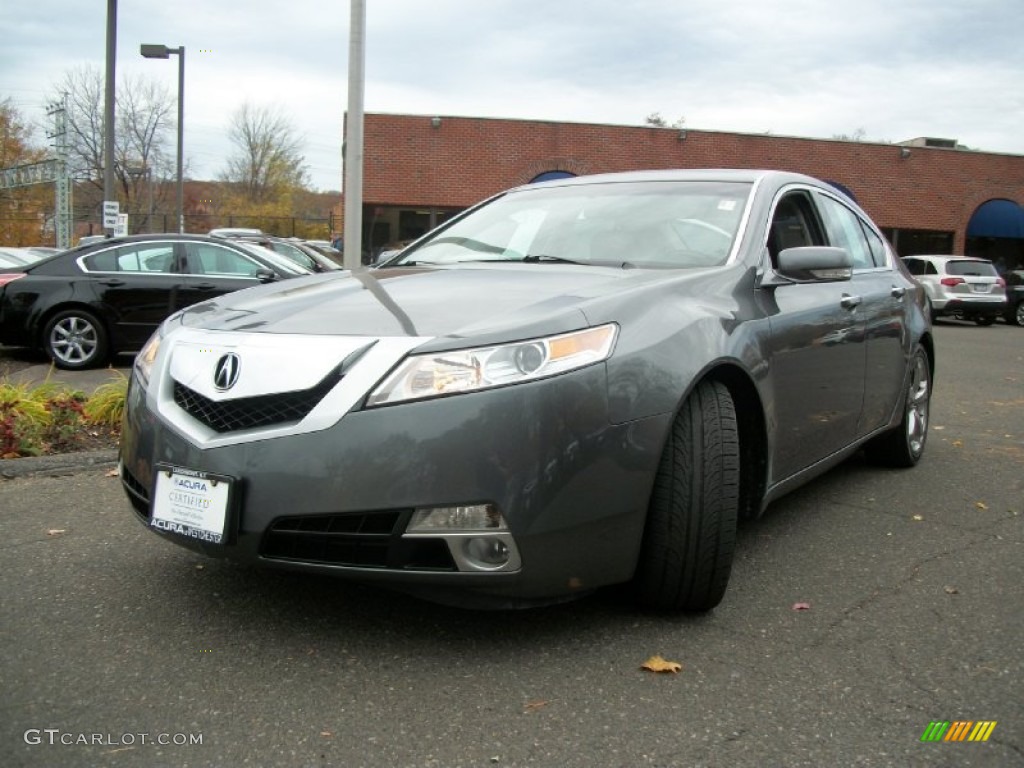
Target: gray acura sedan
[[573, 384]]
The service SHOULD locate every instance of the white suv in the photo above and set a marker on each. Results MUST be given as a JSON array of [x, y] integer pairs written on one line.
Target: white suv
[[964, 287]]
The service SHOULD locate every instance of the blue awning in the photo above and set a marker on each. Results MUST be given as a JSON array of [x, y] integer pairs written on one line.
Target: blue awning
[[997, 218], [842, 188], [551, 176]]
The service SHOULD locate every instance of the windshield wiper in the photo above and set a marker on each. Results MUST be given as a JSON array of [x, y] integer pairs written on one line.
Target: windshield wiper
[[539, 257]]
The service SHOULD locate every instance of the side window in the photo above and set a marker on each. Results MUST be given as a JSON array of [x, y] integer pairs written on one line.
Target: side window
[[914, 266], [845, 231], [929, 268], [793, 225], [104, 261], [875, 245], [211, 259], [144, 257]]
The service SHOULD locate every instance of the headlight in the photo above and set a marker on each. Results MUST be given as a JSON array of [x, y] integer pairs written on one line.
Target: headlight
[[147, 356], [469, 370]]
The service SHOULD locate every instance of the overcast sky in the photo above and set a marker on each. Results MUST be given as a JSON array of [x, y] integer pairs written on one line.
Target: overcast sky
[[896, 69]]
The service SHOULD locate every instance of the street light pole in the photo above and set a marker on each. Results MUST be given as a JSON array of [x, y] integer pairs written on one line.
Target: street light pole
[[163, 52]]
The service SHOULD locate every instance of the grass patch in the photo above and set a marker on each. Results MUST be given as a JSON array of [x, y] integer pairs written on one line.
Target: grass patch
[[53, 418]]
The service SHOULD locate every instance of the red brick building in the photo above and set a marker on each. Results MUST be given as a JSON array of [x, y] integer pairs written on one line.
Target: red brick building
[[929, 195]]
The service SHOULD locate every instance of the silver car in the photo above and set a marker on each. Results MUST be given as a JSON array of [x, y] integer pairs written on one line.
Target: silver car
[[573, 384], [960, 287]]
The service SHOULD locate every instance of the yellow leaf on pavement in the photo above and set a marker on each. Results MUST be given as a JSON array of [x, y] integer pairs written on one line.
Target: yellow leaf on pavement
[[658, 664], [981, 505]]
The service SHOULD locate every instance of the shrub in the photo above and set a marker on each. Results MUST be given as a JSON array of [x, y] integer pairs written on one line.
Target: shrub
[[106, 405], [53, 418]]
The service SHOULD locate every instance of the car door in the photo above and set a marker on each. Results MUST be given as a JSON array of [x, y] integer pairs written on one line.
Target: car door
[[137, 284], [885, 302], [816, 349], [213, 270]]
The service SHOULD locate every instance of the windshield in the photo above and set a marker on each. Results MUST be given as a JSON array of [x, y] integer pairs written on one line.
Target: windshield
[[659, 224], [282, 262], [970, 268]]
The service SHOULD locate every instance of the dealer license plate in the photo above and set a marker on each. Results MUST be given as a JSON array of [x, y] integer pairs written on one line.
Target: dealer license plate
[[190, 503]]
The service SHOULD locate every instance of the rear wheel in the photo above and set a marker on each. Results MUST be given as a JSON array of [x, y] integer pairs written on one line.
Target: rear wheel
[[75, 339], [904, 445], [690, 534]]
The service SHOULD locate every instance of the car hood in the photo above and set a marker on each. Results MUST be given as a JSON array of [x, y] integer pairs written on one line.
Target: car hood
[[476, 300]]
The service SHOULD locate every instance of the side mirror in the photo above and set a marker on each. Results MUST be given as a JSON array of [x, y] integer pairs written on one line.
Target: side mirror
[[815, 264], [266, 275]]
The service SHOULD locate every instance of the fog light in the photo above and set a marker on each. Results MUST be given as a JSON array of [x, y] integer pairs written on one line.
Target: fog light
[[486, 551], [471, 517]]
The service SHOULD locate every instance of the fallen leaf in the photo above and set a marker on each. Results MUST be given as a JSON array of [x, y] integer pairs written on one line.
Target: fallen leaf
[[55, 531], [200, 567], [958, 444], [918, 518], [533, 706], [981, 505], [801, 606], [658, 664], [326, 734], [938, 427], [112, 473], [951, 590]]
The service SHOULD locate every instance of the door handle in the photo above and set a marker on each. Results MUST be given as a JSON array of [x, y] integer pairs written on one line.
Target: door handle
[[113, 282], [851, 302], [898, 293], [204, 286]]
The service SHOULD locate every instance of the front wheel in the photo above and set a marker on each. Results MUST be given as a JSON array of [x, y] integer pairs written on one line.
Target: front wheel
[[688, 544], [1016, 315], [75, 339], [904, 445]]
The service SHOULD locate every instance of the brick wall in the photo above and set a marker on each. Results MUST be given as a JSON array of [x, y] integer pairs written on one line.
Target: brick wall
[[411, 163]]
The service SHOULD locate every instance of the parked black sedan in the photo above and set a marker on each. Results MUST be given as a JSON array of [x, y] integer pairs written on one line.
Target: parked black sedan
[[575, 383], [84, 304]]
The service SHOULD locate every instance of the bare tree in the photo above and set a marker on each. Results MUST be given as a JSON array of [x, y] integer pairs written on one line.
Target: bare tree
[[657, 121], [268, 160], [145, 120]]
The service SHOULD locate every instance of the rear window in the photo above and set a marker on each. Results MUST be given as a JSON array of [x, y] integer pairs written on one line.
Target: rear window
[[967, 267]]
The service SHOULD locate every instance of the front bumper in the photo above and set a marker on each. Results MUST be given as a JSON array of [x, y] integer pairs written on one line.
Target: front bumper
[[572, 487]]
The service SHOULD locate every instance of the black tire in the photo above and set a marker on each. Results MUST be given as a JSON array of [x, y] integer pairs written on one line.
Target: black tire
[[690, 536], [75, 339], [1015, 316], [985, 320], [904, 445]]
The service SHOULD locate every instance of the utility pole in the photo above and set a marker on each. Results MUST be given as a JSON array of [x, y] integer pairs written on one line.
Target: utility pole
[[108, 112], [62, 222], [353, 235]]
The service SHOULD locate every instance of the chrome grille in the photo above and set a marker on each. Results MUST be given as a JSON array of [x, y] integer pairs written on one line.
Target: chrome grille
[[252, 412]]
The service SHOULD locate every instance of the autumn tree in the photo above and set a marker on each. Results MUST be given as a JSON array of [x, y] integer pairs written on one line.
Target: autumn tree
[[23, 210], [144, 118], [267, 165]]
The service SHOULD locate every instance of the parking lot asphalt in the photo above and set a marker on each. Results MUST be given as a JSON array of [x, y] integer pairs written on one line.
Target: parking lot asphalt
[[112, 640]]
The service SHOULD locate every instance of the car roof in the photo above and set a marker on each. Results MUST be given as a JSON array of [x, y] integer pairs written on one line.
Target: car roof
[[747, 175]]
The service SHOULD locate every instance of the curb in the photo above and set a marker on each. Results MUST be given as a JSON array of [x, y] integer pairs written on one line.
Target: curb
[[56, 466]]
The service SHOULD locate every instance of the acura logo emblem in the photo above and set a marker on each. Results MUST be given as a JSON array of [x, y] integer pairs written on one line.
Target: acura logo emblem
[[226, 373]]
